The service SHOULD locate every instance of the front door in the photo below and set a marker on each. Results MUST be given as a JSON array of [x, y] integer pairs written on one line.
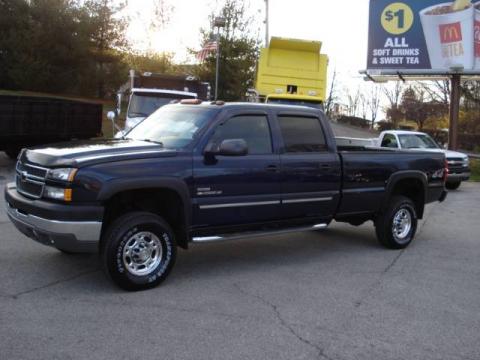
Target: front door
[[231, 190]]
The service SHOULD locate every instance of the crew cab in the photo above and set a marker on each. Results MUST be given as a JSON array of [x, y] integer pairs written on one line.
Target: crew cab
[[458, 163], [201, 172]]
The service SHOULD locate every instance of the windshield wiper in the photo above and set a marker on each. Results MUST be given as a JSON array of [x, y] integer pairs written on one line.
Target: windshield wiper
[[136, 114], [151, 141]]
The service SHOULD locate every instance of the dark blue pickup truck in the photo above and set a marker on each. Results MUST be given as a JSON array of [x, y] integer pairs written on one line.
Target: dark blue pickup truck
[[207, 172]]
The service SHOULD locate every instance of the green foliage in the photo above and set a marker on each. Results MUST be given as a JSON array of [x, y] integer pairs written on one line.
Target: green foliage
[[475, 169], [62, 46], [239, 50], [417, 108], [155, 63]]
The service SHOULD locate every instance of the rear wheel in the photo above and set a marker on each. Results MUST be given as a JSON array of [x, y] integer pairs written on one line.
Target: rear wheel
[[396, 226], [138, 250], [453, 185]]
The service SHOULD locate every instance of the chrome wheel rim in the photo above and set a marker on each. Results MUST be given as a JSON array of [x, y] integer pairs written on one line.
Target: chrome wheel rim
[[402, 224], [142, 253]]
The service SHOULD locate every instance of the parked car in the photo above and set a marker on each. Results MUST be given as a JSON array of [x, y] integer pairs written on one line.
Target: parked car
[[35, 119], [458, 163], [209, 172]]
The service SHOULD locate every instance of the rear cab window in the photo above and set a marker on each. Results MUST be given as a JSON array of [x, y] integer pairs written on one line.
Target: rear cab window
[[302, 134]]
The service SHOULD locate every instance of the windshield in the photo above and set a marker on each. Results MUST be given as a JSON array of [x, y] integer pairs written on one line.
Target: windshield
[[312, 104], [417, 141], [144, 104], [173, 126]]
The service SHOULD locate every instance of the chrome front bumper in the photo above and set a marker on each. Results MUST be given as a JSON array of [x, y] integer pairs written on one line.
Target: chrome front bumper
[[73, 236], [458, 177]]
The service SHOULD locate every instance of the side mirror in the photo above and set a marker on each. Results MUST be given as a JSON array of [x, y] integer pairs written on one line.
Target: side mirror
[[228, 147], [111, 115]]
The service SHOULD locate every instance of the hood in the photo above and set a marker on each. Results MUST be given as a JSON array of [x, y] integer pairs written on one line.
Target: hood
[[81, 153], [454, 154]]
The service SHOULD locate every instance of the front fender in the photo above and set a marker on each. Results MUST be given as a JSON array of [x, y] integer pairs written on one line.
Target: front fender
[[116, 186]]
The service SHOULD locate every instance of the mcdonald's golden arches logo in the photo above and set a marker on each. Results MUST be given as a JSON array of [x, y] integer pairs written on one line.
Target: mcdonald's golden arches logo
[[450, 33]]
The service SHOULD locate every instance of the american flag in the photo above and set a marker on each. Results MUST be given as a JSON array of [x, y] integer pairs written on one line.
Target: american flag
[[209, 47]]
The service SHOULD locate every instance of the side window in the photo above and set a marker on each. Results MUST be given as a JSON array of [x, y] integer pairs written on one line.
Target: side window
[[253, 129], [302, 134], [389, 141]]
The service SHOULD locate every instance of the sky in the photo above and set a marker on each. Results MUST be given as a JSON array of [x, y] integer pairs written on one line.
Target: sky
[[340, 25]]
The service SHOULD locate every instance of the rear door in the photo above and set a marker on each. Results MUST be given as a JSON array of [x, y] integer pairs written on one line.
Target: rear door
[[238, 190], [310, 167]]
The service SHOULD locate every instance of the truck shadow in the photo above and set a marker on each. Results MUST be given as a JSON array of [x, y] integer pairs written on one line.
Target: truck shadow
[[263, 253]]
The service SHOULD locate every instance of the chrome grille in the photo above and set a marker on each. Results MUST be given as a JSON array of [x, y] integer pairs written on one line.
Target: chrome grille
[[30, 180]]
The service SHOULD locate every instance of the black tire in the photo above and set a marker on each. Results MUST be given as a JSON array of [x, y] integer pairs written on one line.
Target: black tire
[[453, 185], [384, 224], [13, 152], [128, 230]]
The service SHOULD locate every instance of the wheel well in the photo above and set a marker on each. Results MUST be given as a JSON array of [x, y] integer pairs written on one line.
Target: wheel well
[[163, 202], [414, 190]]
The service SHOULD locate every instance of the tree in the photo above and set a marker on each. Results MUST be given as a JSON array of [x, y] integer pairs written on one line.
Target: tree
[[416, 108], [239, 50], [62, 46], [42, 45], [374, 103], [353, 101], [107, 40], [394, 94], [151, 62], [332, 95]]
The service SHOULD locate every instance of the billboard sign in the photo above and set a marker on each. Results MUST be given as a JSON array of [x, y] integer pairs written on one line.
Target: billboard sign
[[424, 35]]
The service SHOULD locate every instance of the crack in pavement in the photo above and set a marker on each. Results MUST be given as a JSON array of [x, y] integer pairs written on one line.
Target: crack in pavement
[[29, 291], [385, 271], [284, 323]]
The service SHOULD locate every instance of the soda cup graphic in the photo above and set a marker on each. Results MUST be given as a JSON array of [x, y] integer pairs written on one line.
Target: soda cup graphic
[[449, 36], [476, 35]]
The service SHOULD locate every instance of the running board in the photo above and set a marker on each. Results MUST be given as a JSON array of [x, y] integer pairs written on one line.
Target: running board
[[251, 234]]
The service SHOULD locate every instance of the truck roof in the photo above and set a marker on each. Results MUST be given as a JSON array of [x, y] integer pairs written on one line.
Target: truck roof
[[403, 132], [251, 105], [164, 91]]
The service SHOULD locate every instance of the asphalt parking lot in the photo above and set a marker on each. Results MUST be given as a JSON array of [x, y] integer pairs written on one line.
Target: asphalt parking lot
[[334, 294]]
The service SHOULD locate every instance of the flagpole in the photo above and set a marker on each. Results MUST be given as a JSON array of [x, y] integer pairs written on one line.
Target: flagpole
[[217, 66], [266, 24], [219, 22]]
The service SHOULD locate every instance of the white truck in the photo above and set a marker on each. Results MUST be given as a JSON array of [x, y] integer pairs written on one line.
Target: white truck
[[458, 163], [147, 92]]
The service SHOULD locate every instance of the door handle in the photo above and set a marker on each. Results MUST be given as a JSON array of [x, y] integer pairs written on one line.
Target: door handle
[[272, 168]]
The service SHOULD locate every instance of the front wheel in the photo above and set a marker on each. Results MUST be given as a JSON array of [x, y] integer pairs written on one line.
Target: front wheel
[[396, 226], [453, 185], [138, 251]]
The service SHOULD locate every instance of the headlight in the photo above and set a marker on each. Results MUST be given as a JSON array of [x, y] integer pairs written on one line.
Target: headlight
[[65, 174], [466, 161], [57, 193]]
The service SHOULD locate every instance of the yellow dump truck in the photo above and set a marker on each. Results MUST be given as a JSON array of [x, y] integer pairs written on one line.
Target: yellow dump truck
[[292, 71]]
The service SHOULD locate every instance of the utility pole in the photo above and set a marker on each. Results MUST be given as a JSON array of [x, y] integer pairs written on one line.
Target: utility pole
[[267, 35], [219, 22], [454, 111]]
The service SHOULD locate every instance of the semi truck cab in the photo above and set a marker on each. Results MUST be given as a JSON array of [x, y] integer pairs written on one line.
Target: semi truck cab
[[144, 101]]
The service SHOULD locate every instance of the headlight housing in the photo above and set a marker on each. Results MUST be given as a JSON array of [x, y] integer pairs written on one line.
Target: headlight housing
[[56, 193], [62, 174], [466, 161]]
